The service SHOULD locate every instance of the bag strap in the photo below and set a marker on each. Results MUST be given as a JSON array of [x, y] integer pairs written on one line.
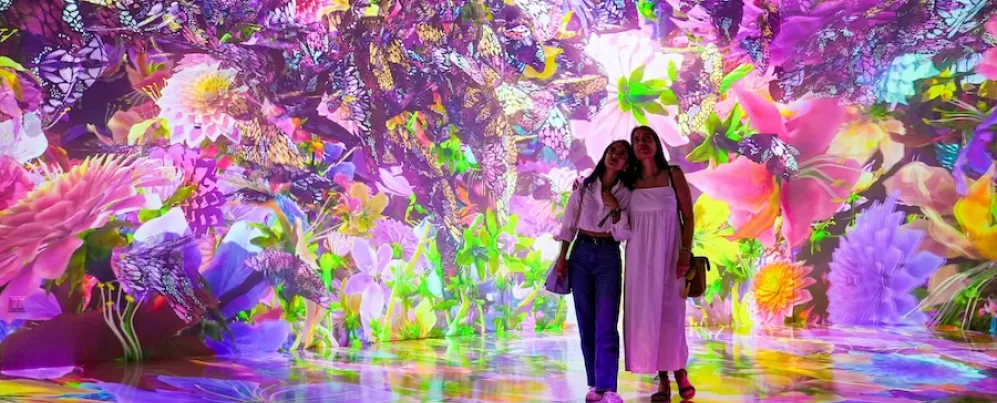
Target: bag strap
[[678, 202], [578, 211]]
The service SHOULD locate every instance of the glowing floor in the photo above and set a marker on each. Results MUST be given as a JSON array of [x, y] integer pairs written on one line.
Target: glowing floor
[[782, 365]]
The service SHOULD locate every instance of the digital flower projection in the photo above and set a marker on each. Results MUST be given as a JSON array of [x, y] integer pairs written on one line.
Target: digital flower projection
[[337, 173]]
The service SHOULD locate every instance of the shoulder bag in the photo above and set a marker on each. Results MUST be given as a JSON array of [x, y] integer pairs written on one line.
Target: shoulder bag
[[556, 284]]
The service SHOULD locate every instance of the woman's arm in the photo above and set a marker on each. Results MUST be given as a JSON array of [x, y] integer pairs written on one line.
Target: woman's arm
[[685, 207], [620, 222]]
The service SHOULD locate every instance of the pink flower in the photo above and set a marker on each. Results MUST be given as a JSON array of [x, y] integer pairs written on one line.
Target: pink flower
[[195, 103], [340, 113], [14, 182], [988, 67], [757, 197], [393, 182], [39, 234], [989, 308], [621, 54]]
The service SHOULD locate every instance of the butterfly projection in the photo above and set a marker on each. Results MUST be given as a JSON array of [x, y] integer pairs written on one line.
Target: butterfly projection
[[766, 149], [161, 268], [293, 276]]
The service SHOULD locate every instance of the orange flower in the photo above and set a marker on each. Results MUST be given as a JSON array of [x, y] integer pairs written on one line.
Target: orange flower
[[780, 286]]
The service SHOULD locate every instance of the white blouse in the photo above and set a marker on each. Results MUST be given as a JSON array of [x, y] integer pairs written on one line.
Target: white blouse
[[593, 211]]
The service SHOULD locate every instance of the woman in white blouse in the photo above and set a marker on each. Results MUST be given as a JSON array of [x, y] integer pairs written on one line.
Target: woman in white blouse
[[595, 268]]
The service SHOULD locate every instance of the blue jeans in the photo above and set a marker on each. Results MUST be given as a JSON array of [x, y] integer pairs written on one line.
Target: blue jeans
[[596, 277]]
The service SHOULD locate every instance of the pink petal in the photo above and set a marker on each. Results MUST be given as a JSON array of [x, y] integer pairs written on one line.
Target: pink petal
[[739, 218], [805, 200], [667, 129], [743, 184], [52, 261], [17, 289], [988, 66], [765, 117], [812, 129], [921, 185]]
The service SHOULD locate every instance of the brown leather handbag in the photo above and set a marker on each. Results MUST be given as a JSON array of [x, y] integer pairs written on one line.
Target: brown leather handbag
[[695, 278]]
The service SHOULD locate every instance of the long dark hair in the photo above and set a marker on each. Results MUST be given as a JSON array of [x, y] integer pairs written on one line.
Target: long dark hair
[[659, 155], [625, 176]]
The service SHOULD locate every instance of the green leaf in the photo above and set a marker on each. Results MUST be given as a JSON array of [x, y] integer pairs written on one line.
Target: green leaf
[[733, 121], [8, 63], [491, 223], [673, 71], [179, 196], [640, 93], [713, 123], [639, 115], [668, 97], [137, 131], [327, 261], [734, 76], [657, 84], [637, 75], [702, 152], [145, 215], [654, 108]]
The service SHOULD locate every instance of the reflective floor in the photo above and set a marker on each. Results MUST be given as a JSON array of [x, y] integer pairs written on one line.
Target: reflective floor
[[781, 365]]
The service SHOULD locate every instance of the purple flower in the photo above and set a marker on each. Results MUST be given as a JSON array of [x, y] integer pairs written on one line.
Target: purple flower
[[507, 243], [875, 268], [395, 234], [262, 338], [975, 158], [228, 271], [332, 154]]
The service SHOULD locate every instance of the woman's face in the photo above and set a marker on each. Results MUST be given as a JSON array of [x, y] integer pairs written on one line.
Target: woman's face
[[616, 157], [645, 145]]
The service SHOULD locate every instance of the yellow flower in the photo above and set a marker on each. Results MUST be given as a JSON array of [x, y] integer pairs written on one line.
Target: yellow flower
[[711, 239], [975, 213], [863, 136], [360, 211]]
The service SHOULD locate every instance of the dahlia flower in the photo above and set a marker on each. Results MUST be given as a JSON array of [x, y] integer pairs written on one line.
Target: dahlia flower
[[39, 234], [875, 268], [780, 286], [394, 233], [195, 103]]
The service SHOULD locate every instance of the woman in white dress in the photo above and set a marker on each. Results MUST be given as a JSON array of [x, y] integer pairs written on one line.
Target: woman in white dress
[[658, 254]]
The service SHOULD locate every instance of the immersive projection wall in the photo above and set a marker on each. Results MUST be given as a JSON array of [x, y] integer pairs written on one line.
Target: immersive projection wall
[[191, 177]]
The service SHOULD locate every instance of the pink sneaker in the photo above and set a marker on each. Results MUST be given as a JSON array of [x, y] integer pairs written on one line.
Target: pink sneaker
[[612, 397], [593, 396]]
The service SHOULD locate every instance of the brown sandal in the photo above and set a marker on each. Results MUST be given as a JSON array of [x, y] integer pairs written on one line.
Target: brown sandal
[[687, 392], [665, 396]]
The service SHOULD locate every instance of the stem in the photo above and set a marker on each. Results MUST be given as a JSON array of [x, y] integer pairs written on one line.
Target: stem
[[464, 307], [129, 327], [386, 322], [109, 320], [529, 299]]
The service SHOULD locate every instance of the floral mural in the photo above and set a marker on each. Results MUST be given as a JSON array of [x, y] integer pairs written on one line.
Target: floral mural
[[197, 177]]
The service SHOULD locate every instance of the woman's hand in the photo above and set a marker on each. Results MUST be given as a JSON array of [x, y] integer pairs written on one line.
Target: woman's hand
[[685, 262], [609, 200], [561, 267]]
